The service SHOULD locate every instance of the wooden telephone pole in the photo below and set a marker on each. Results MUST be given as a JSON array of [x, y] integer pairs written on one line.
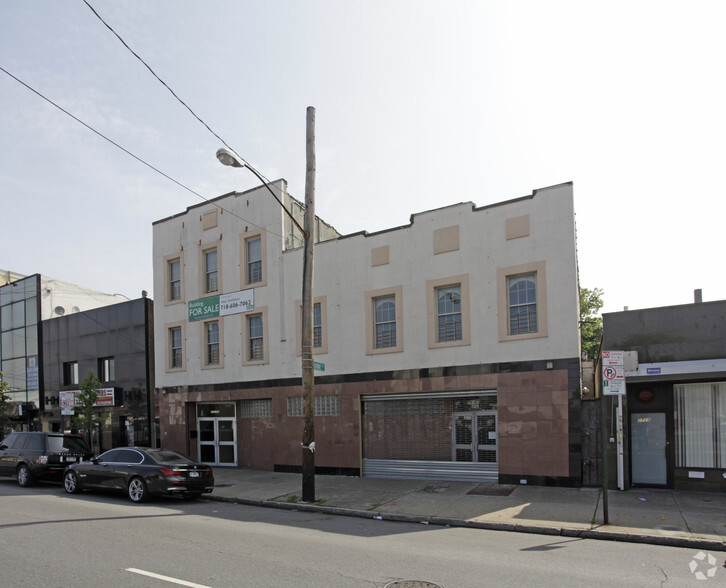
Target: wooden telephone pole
[[308, 366]]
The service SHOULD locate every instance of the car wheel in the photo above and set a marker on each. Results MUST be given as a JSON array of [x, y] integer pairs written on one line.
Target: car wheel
[[70, 482], [25, 478], [137, 490]]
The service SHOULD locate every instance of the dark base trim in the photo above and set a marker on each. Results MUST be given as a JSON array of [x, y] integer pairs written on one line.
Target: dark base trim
[[570, 364], [319, 470], [555, 481]]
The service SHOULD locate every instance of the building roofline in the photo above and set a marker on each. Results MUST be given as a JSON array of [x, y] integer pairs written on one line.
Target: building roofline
[[672, 306], [217, 198], [474, 208]]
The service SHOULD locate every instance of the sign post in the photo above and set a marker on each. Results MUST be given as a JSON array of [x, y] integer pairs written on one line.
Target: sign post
[[613, 384]]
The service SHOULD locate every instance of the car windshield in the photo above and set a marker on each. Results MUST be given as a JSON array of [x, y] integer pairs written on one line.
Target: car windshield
[[61, 443], [166, 456]]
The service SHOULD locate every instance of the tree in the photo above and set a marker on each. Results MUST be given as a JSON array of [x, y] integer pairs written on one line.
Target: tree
[[590, 321], [6, 406], [85, 400]]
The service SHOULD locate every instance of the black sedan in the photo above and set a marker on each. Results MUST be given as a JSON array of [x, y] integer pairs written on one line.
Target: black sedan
[[141, 472]]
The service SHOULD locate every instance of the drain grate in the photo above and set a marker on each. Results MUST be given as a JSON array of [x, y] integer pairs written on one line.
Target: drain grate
[[413, 584]]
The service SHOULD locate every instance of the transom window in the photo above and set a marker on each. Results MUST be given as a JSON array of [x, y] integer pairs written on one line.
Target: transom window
[[522, 304], [385, 321], [449, 313]]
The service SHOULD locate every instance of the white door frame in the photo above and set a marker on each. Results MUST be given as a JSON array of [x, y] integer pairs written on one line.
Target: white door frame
[[217, 442]]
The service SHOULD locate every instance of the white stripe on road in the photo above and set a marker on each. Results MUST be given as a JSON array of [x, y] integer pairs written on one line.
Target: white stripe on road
[[166, 578]]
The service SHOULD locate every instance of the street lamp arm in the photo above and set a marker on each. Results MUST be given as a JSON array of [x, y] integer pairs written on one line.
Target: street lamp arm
[[227, 157]]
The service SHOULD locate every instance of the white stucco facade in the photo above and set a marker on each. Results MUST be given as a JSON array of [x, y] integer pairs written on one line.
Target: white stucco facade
[[346, 269], [445, 347]]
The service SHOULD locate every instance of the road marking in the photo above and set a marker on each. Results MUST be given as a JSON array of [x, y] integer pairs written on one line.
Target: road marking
[[166, 578]]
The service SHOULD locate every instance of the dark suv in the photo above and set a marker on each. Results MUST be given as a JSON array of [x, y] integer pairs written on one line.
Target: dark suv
[[40, 456]]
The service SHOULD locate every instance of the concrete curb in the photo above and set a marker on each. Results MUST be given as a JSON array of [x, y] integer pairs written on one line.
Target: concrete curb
[[693, 543]]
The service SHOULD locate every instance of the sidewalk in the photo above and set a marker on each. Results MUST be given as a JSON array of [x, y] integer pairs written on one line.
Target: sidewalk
[[660, 517]]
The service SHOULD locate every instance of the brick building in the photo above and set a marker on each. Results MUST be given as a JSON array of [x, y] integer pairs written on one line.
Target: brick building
[[447, 348]]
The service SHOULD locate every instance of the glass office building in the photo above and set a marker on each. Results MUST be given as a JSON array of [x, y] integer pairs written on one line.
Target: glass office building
[[20, 349]]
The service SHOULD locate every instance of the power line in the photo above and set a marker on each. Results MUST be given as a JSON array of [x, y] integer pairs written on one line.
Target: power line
[[136, 157], [110, 28], [163, 83]]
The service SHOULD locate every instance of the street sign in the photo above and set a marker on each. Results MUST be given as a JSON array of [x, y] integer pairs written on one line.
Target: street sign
[[319, 366], [613, 358], [613, 373]]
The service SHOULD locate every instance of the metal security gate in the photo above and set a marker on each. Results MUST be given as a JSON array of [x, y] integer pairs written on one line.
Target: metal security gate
[[436, 436], [474, 437]]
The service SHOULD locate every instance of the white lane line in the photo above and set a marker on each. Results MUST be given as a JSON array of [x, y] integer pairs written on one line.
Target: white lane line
[[166, 578]]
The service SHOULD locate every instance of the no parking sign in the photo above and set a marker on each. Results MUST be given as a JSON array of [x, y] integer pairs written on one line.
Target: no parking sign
[[613, 373]]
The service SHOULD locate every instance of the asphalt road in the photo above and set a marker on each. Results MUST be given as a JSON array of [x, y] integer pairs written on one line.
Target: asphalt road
[[51, 539]]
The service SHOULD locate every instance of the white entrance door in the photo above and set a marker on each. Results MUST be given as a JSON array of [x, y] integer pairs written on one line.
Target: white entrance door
[[218, 441]]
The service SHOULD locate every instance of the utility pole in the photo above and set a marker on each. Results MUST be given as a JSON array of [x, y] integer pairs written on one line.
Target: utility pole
[[308, 366]]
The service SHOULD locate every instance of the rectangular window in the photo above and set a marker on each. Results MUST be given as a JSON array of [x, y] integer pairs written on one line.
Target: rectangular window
[[256, 350], [107, 369], [256, 409], [211, 330], [700, 425], [70, 373], [385, 321], [448, 300], [324, 406], [210, 271], [319, 319], [175, 348], [254, 260], [317, 327], [174, 280], [522, 296]]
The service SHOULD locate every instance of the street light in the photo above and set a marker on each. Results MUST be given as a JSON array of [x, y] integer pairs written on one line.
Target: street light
[[228, 157]]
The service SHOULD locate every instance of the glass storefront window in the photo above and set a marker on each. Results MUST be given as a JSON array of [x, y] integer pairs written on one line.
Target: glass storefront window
[[700, 425]]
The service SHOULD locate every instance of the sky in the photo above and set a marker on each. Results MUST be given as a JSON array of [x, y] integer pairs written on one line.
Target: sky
[[419, 104]]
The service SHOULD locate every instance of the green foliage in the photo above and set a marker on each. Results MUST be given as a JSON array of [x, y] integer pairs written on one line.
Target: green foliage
[[85, 400], [590, 321], [6, 407]]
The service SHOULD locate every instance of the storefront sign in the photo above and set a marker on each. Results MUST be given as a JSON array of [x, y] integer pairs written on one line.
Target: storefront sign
[[105, 397], [222, 305]]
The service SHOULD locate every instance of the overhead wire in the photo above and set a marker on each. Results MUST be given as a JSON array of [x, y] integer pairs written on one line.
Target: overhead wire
[[163, 83], [136, 157]]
